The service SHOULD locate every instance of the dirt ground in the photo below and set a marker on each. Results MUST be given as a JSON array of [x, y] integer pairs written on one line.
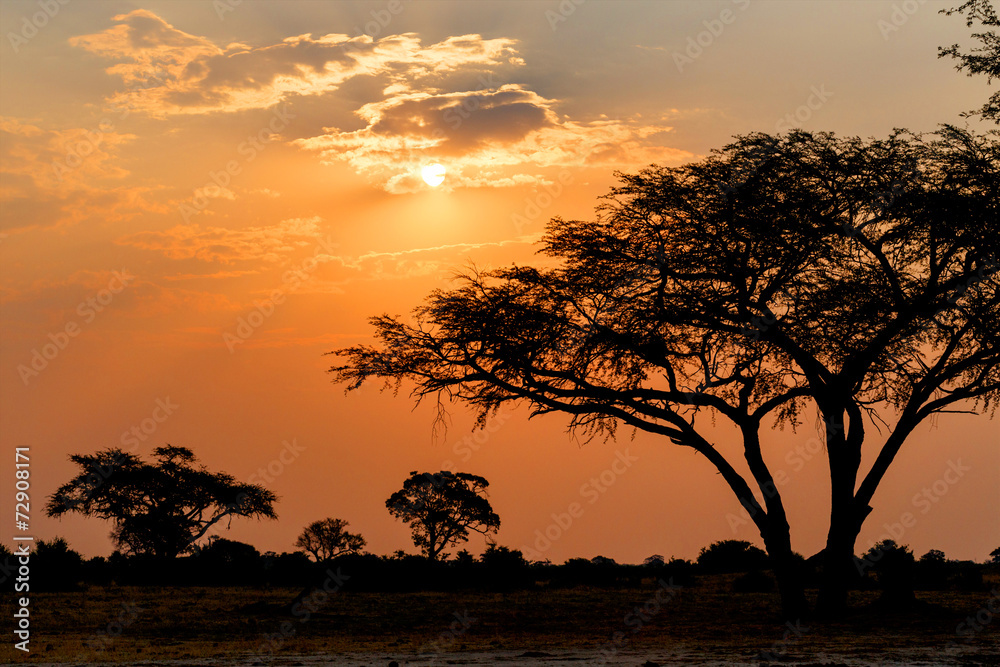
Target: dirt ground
[[701, 624]]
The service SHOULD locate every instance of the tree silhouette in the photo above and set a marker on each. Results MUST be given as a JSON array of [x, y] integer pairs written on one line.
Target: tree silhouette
[[932, 569], [442, 508], [328, 538], [984, 59], [159, 508], [59, 567], [893, 565], [854, 277], [731, 556]]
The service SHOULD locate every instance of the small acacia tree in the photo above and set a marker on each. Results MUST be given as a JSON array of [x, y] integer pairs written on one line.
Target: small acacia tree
[[328, 538], [853, 278], [442, 508], [160, 508]]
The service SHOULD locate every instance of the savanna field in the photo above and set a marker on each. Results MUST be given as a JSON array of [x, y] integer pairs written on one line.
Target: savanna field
[[701, 623]]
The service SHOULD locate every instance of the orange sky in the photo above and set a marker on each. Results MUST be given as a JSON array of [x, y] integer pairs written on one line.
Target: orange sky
[[200, 199]]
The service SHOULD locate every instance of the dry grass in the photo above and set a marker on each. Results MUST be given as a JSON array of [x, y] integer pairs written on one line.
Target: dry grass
[[130, 624]]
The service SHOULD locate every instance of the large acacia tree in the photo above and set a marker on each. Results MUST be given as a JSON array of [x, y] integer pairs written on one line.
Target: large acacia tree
[[160, 508], [853, 278]]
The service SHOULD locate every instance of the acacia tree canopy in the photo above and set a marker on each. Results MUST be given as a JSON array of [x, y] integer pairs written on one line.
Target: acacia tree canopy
[[328, 538], [442, 508], [984, 59], [856, 277], [160, 508]]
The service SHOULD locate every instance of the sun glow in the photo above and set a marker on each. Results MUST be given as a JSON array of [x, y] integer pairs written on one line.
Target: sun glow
[[433, 174]]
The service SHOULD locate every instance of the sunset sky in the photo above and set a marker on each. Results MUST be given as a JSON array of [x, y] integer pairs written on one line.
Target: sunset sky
[[200, 199]]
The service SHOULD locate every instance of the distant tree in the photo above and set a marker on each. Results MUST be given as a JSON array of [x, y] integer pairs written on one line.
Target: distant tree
[[328, 538], [732, 556], [934, 556], [995, 555], [442, 508], [464, 558], [160, 508], [505, 568], [503, 558], [984, 59], [226, 562], [932, 570], [656, 560], [58, 567], [225, 552], [780, 277], [893, 566]]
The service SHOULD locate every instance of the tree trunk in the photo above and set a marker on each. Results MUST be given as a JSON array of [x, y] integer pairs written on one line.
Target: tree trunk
[[787, 571], [774, 530], [838, 558], [838, 565]]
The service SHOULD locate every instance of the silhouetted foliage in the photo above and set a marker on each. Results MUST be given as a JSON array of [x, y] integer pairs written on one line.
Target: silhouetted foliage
[[221, 563], [854, 277], [584, 572], [229, 562], [225, 562], [228, 552], [55, 566], [97, 570], [656, 560], [8, 568], [505, 568], [287, 569], [893, 567], [984, 59], [329, 538], [995, 555], [932, 571], [442, 508], [597, 571], [500, 557], [731, 556], [159, 508], [678, 570], [966, 575]]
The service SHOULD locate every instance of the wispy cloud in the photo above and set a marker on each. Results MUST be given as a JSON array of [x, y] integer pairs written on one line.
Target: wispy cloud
[[169, 71], [497, 137], [53, 177], [455, 101], [226, 246]]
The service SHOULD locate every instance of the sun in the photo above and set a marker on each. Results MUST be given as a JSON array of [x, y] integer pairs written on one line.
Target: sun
[[433, 174]]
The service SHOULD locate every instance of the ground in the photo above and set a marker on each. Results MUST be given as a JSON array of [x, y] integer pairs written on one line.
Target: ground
[[703, 623]]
